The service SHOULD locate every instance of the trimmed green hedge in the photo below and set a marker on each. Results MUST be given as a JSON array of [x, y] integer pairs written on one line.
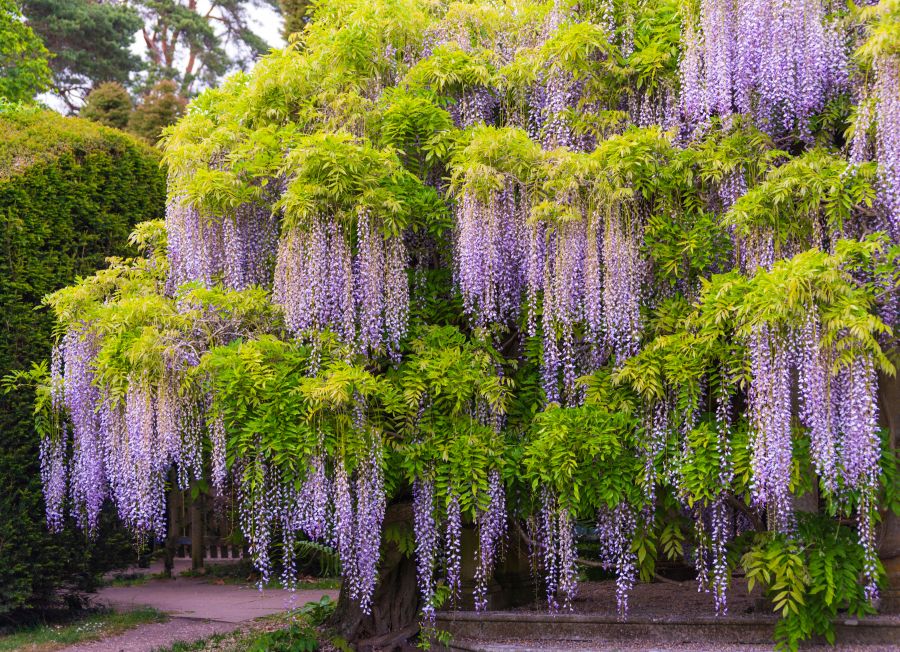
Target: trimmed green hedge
[[70, 191]]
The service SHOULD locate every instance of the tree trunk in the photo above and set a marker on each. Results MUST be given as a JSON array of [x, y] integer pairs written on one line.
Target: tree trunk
[[395, 605]]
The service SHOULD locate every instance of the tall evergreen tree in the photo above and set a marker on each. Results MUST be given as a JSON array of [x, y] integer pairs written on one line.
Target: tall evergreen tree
[[295, 14], [91, 42], [197, 43]]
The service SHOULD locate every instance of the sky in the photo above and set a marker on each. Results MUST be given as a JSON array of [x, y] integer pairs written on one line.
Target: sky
[[264, 20]]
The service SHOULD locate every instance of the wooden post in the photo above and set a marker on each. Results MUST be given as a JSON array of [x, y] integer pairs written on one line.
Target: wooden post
[[196, 528], [174, 524]]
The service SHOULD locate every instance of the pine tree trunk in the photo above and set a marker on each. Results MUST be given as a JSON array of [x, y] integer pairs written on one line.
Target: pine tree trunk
[[395, 605]]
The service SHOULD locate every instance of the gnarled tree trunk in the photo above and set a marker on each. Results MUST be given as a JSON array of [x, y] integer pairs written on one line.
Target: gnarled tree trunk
[[395, 605]]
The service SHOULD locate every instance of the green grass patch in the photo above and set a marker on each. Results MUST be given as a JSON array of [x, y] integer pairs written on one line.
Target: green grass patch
[[86, 626], [132, 579], [301, 630], [242, 572]]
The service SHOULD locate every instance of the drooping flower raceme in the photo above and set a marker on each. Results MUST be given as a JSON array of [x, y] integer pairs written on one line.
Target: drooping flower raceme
[[364, 298], [617, 528], [426, 533], [491, 534], [770, 426]]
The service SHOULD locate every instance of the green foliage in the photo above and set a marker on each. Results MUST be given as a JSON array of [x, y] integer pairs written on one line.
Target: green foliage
[[318, 612], [109, 104], [810, 195], [296, 638], [587, 456], [327, 559], [91, 43], [345, 121], [69, 193], [419, 129], [451, 70], [809, 578], [443, 382], [24, 70], [160, 107], [883, 22]]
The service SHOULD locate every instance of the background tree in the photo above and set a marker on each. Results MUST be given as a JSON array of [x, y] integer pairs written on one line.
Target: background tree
[[195, 43], [295, 15], [91, 42], [24, 71], [161, 106], [109, 104]]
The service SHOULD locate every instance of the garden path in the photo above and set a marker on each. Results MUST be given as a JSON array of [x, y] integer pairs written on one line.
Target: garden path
[[198, 608]]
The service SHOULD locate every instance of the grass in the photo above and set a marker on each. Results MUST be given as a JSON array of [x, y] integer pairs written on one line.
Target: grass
[[132, 579], [87, 626], [300, 630], [242, 572]]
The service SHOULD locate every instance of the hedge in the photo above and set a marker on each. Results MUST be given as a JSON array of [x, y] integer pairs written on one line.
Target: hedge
[[70, 191]]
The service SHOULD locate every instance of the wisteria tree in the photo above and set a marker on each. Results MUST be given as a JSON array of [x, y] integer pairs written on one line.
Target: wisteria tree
[[507, 268]]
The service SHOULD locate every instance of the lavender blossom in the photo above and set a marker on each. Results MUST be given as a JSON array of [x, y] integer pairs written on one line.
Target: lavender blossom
[[426, 544]]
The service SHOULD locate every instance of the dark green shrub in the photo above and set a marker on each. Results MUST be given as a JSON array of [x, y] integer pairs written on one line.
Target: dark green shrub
[[109, 104], [159, 108], [70, 191]]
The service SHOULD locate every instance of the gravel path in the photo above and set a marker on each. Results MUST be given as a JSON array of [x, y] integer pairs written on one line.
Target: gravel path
[[188, 597], [198, 608], [146, 638]]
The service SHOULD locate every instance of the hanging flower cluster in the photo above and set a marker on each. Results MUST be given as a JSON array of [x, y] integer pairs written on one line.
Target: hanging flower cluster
[[237, 249], [622, 286], [364, 298], [556, 543], [81, 398], [617, 528], [127, 446], [840, 411], [453, 545], [557, 243], [491, 537], [770, 417], [345, 512], [490, 256], [887, 70], [577, 272], [426, 544], [777, 61]]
